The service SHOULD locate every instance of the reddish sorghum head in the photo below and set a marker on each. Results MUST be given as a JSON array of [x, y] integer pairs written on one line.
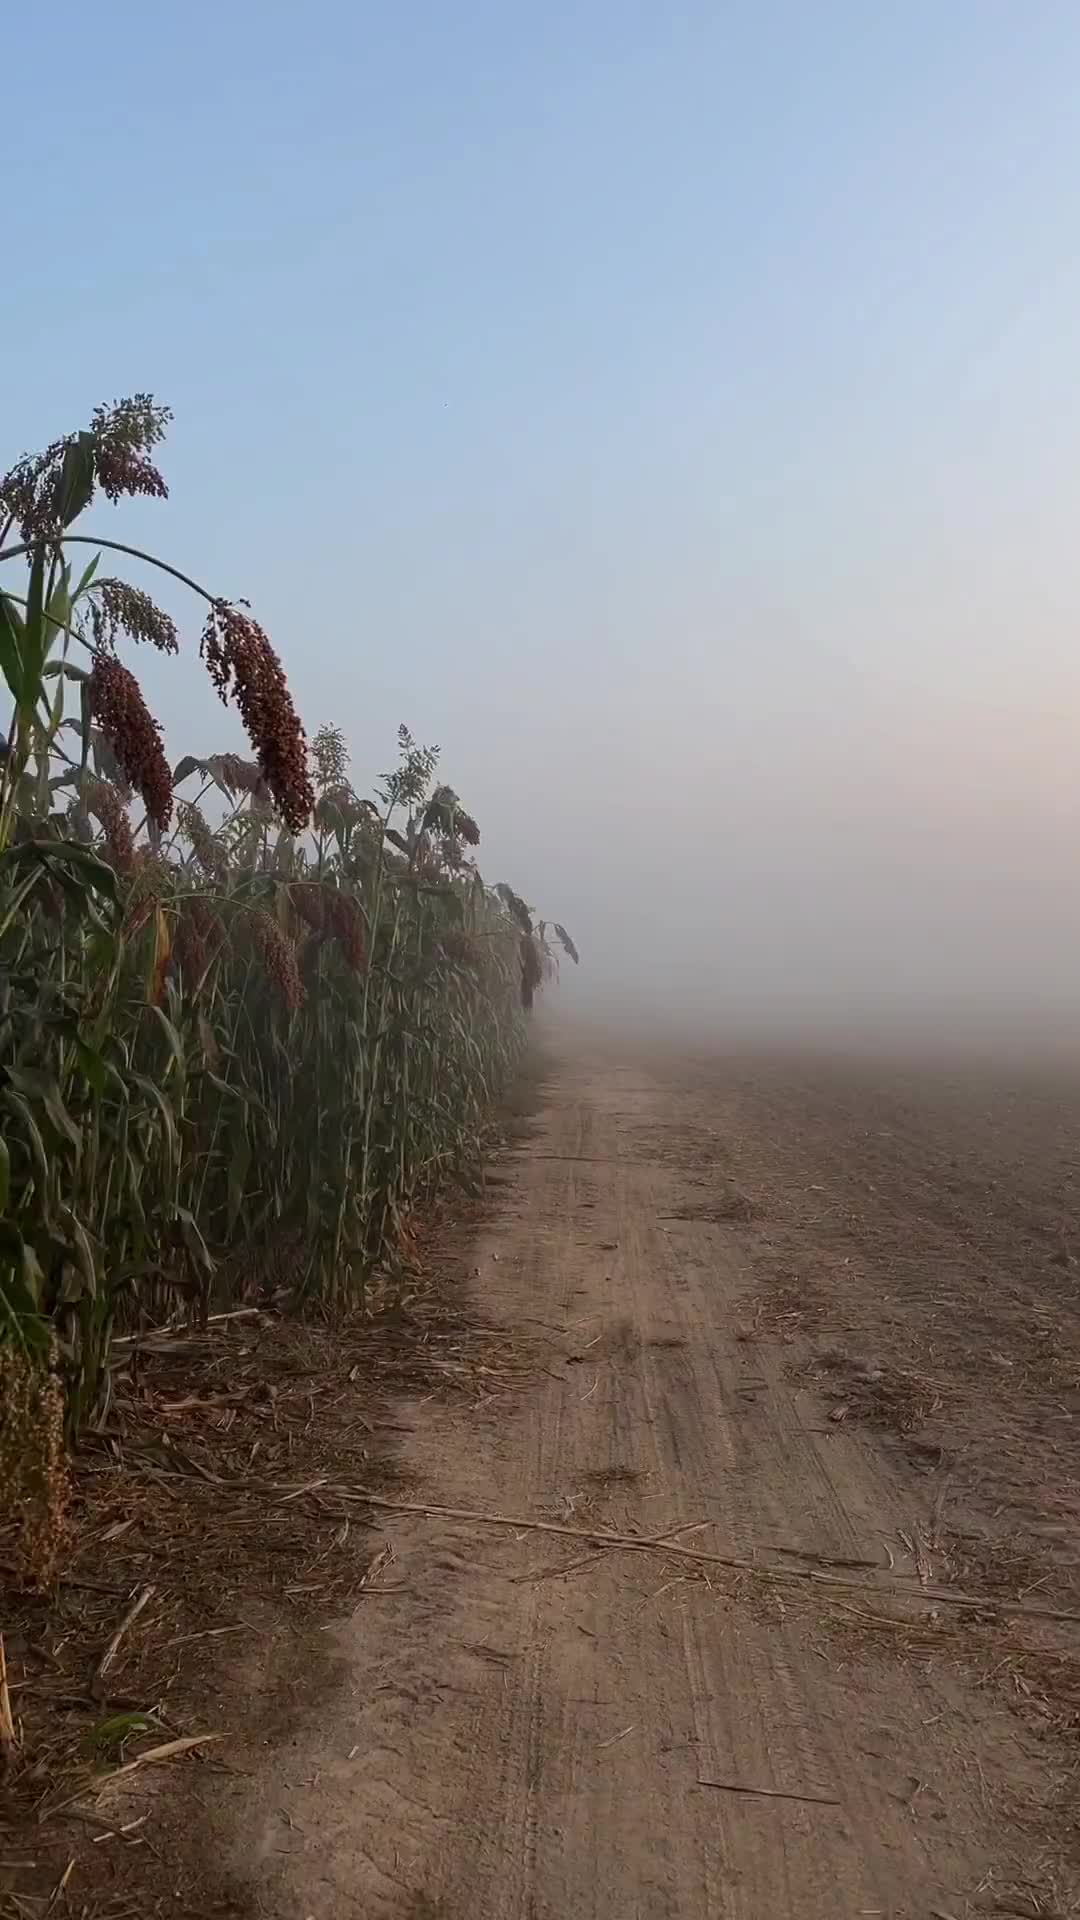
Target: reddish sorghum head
[[242, 662], [117, 705], [122, 433], [119, 438]]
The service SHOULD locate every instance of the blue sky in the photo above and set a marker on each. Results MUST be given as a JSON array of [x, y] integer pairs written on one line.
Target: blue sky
[[673, 411]]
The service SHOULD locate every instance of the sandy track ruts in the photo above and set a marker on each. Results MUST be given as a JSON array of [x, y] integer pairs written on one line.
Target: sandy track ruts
[[511, 1743]]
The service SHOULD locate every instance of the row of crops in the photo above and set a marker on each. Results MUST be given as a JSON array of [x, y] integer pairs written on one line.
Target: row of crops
[[247, 1017]]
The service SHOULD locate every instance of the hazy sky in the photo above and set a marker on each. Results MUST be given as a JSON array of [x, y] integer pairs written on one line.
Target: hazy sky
[[672, 410]]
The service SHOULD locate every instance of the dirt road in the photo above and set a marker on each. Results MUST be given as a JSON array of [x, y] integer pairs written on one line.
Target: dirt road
[[742, 1350]]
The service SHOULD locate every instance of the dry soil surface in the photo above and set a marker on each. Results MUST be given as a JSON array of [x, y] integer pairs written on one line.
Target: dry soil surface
[[818, 1326]]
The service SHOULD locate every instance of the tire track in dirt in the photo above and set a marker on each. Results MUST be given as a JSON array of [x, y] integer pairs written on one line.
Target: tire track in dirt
[[522, 1724]]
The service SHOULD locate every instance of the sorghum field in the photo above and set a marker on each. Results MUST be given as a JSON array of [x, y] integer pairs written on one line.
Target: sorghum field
[[247, 1017]]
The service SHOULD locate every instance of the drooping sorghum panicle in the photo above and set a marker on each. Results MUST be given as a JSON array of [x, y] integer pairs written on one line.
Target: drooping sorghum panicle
[[117, 705], [120, 437], [123, 435], [206, 847], [242, 662], [278, 956], [27, 492], [330, 757], [116, 607], [108, 806]]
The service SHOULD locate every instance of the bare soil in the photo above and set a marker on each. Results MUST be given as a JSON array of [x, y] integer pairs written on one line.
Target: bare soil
[[805, 1337]]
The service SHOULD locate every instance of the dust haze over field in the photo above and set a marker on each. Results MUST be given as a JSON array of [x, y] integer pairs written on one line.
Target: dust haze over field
[[863, 869]]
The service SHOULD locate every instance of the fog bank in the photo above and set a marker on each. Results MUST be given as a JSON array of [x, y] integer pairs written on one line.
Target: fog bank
[[906, 874]]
